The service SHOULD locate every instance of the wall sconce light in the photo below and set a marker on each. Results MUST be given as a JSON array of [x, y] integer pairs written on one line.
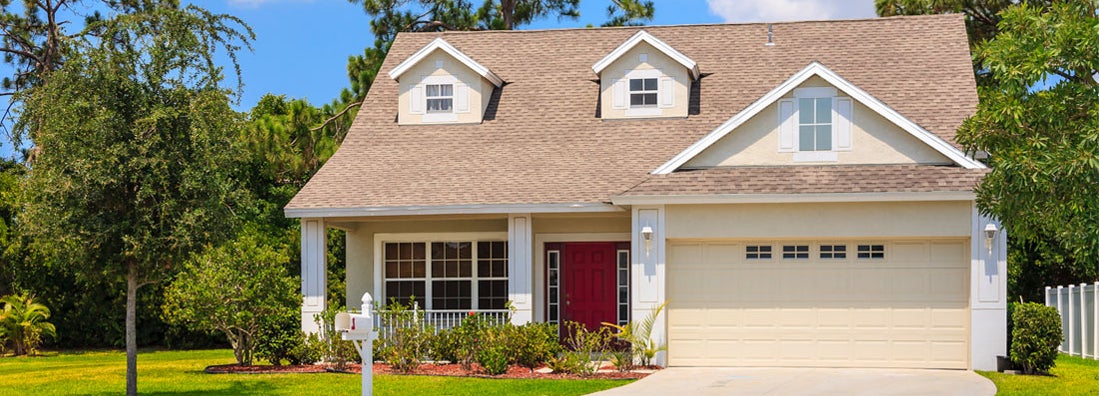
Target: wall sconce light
[[990, 233], [647, 235]]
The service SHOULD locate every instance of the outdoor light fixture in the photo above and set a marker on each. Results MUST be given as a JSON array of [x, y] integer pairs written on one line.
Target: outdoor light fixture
[[647, 235], [990, 233]]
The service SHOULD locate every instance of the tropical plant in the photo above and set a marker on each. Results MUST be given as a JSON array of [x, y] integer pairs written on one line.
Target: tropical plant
[[582, 345], [24, 322], [639, 335]]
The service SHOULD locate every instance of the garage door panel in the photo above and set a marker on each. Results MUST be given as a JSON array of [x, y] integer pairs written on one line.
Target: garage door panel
[[901, 311]]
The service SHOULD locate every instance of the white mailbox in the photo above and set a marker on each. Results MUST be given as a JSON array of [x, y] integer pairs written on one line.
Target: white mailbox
[[354, 326]]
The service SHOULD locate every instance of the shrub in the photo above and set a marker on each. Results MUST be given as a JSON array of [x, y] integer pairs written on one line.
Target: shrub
[[330, 342], [444, 346], [622, 355], [404, 340], [493, 358], [582, 345], [533, 344], [277, 337], [468, 338], [309, 350], [1036, 334], [638, 335]]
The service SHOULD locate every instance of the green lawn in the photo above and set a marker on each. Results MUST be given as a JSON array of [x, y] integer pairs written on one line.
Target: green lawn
[[1071, 376], [180, 373]]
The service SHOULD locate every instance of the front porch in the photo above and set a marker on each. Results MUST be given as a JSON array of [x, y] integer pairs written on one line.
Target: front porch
[[548, 267]]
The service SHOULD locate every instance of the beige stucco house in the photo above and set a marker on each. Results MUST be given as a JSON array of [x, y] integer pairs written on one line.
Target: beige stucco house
[[793, 191]]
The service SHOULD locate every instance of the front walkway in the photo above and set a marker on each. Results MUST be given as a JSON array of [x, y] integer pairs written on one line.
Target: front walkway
[[806, 381]]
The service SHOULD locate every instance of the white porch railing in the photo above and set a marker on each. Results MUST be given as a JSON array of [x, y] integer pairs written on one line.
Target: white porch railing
[[1079, 308], [433, 319]]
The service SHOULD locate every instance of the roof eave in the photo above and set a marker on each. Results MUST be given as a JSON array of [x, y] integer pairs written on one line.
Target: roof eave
[[660, 45], [703, 199], [441, 44], [420, 210]]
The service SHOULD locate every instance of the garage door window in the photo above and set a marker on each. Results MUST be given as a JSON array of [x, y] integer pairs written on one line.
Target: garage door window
[[833, 251], [795, 252], [758, 252], [871, 251]]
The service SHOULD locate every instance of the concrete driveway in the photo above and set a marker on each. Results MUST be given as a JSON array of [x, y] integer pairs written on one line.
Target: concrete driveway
[[806, 381]]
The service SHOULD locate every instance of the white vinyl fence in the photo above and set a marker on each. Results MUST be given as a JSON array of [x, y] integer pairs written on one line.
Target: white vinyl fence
[[1079, 308]]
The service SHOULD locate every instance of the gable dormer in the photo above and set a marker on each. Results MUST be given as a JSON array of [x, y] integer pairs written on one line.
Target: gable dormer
[[818, 118], [645, 77], [441, 85]]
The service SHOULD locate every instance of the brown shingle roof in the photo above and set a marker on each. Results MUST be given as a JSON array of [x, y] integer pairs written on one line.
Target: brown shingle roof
[[812, 180], [541, 142]]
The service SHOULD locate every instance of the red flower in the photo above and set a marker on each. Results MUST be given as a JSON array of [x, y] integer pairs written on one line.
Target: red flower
[[471, 313]]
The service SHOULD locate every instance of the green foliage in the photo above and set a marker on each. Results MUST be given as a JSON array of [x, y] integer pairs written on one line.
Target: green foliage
[[444, 346], [582, 345], [332, 346], [639, 335], [532, 344], [23, 322], [235, 289], [629, 12], [405, 341], [469, 336], [1043, 144], [493, 358], [1036, 334]]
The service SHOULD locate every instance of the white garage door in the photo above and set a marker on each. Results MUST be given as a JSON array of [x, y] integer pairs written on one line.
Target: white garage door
[[818, 304]]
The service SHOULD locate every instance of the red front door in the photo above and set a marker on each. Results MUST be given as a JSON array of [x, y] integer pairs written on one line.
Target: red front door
[[589, 283]]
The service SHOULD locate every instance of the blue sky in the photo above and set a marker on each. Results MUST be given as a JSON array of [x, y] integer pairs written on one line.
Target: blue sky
[[302, 46]]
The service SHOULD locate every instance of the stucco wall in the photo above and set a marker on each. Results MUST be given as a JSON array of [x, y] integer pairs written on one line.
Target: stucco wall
[[875, 140], [480, 90], [819, 220], [631, 61]]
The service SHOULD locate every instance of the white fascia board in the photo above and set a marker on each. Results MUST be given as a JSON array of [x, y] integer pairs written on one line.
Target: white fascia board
[[449, 210], [792, 198], [441, 44], [661, 46], [817, 69]]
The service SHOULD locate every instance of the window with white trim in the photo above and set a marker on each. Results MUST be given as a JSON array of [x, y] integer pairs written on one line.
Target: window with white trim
[[795, 252], [815, 124], [643, 92], [623, 270], [440, 98], [871, 251], [452, 275]]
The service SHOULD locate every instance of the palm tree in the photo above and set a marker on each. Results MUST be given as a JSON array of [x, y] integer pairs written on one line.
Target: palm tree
[[23, 321]]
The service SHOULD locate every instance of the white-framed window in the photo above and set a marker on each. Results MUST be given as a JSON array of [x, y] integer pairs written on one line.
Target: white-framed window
[[837, 252], [447, 274], [644, 92], [757, 252], [440, 98], [815, 124], [623, 270], [553, 286], [795, 252], [871, 251]]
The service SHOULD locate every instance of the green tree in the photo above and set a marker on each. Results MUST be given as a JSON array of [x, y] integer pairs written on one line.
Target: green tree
[[136, 153], [234, 289], [23, 322], [629, 12], [1043, 144]]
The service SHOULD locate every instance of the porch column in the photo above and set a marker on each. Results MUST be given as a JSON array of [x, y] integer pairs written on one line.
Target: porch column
[[988, 293], [647, 272], [314, 276], [520, 267]]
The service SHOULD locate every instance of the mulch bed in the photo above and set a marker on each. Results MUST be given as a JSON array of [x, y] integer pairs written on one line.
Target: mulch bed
[[447, 370]]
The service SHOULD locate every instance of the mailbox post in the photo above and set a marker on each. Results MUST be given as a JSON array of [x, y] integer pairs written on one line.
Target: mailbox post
[[359, 329]]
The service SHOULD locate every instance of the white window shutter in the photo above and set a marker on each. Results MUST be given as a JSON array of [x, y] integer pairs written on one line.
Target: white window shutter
[[461, 98], [787, 125], [416, 99], [841, 123], [618, 91], [667, 92]]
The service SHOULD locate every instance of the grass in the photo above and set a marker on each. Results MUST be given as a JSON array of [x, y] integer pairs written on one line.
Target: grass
[[180, 373], [1071, 376]]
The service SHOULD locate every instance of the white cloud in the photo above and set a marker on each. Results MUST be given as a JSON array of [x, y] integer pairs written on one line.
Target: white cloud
[[790, 10]]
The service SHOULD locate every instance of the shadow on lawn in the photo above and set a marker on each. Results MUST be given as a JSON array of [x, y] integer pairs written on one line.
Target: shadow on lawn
[[234, 388]]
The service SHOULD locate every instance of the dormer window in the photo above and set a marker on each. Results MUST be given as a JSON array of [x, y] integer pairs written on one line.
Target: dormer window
[[643, 92], [440, 98], [815, 124]]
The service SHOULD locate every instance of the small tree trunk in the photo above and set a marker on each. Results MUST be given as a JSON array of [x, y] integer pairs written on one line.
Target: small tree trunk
[[131, 328]]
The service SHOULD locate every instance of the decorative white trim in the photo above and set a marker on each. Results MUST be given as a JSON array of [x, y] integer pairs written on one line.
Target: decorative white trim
[[520, 279], [578, 207], [441, 44], [791, 198], [661, 46], [540, 241], [647, 271], [426, 237], [817, 69], [816, 156], [314, 276]]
